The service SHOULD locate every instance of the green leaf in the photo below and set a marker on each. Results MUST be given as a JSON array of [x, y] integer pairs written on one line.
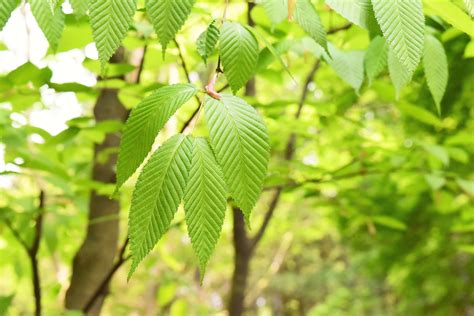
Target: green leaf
[[399, 74], [349, 66], [358, 12], [6, 9], [51, 24], [206, 42], [436, 69], [469, 7], [403, 25], [375, 59], [452, 14], [306, 16], [420, 114], [466, 185], [435, 181], [240, 141], [158, 193], [79, 7], [205, 201], [276, 10], [144, 123], [389, 222], [437, 151], [168, 16], [239, 54], [270, 48], [110, 21], [28, 72]]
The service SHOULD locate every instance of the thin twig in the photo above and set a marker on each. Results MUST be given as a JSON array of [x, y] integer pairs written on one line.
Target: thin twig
[[32, 251], [122, 258], [103, 286], [141, 65]]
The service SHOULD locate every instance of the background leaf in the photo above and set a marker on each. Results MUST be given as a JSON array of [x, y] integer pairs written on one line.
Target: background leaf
[[306, 16], [357, 11], [239, 53], [240, 141], [276, 10], [206, 42], [205, 201], [399, 74], [110, 21], [452, 14], [51, 24], [375, 59], [348, 65], [144, 123], [436, 69], [167, 17], [157, 195]]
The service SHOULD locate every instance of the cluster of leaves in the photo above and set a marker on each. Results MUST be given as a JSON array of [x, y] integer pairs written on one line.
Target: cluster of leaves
[[234, 159]]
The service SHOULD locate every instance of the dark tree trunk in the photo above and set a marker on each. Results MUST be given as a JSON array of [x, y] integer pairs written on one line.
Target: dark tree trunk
[[241, 265], [95, 257]]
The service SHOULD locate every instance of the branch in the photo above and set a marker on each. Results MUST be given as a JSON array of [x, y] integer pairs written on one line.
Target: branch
[[16, 234], [103, 286], [340, 28], [141, 65], [289, 152], [33, 253]]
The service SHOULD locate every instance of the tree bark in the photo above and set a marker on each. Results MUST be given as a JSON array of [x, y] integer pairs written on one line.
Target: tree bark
[[242, 257], [95, 257]]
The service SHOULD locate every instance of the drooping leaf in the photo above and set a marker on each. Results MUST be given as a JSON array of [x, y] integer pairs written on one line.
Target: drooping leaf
[[277, 10], [403, 25], [167, 17], [6, 9], [206, 42], [306, 16], [51, 24], [240, 141], [158, 193], [376, 58], [144, 123], [348, 65], [205, 201], [239, 54], [110, 21], [399, 74], [79, 7], [357, 11], [436, 69]]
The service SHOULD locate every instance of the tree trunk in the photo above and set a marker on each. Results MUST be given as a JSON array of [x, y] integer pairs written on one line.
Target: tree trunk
[[241, 265], [95, 257]]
